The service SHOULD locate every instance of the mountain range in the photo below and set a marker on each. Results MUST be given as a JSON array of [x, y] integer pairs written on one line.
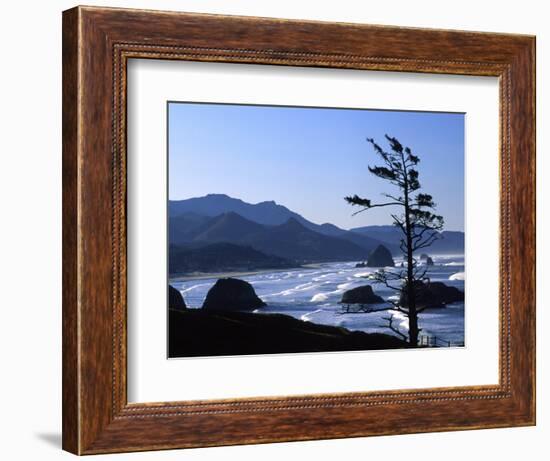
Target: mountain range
[[448, 242], [247, 236]]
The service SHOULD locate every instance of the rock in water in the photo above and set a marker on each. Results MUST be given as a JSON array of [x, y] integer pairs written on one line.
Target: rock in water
[[175, 299], [362, 264], [361, 295], [380, 257], [433, 294], [429, 261], [231, 294]]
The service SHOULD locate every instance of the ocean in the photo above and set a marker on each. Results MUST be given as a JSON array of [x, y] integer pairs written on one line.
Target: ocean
[[312, 294]]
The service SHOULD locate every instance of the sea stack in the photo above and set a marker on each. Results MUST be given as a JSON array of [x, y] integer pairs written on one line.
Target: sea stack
[[361, 295], [231, 294], [427, 260], [432, 294], [380, 257]]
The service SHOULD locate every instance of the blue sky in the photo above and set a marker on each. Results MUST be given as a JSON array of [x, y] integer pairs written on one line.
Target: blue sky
[[309, 159]]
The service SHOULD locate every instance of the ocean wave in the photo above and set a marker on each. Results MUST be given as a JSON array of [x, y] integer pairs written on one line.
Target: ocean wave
[[194, 287], [344, 286], [454, 263], [319, 297], [457, 276], [307, 317], [402, 319], [298, 288], [304, 286], [321, 277], [324, 296], [362, 274]]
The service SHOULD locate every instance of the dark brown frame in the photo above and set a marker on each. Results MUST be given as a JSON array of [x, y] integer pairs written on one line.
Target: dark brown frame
[[97, 43]]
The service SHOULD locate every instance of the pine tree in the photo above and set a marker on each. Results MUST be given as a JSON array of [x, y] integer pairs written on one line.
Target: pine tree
[[416, 220]]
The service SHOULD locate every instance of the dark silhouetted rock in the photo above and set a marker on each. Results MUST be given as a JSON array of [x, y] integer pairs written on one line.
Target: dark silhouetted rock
[[380, 257], [429, 261], [231, 294], [362, 264], [175, 299], [433, 294], [361, 295], [199, 333]]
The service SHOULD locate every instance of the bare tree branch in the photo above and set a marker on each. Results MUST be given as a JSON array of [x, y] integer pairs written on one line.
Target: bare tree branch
[[392, 328], [361, 309]]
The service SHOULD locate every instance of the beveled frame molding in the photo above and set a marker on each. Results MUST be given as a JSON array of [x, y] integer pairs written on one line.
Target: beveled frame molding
[[97, 43]]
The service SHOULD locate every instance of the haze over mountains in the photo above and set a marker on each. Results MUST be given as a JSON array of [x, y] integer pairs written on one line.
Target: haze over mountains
[[449, 242], [219, 233]]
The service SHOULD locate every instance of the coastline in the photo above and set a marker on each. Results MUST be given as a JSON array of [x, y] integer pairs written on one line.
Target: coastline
[[212, 275], [312, 293]]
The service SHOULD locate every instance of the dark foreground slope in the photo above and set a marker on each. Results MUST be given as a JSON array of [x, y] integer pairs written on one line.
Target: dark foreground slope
[[196, 332]]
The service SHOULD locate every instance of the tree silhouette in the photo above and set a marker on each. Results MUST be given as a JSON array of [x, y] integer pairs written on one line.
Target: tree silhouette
[[416, 220]]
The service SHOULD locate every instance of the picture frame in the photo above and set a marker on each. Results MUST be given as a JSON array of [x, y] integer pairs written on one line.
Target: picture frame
[[97, 44]]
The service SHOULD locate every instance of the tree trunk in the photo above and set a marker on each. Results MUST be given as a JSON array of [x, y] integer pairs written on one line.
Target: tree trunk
[[411, 293], [413, 329], [411, 289]]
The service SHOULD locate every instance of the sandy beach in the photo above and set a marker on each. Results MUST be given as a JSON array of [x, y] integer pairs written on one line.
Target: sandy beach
[[210, 275]]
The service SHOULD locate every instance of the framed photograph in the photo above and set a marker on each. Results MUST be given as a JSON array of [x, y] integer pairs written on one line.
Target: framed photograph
[[231, 260], [282, 230]]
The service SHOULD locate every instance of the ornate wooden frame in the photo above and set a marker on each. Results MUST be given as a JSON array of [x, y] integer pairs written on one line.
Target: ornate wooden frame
[[97, 43]]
